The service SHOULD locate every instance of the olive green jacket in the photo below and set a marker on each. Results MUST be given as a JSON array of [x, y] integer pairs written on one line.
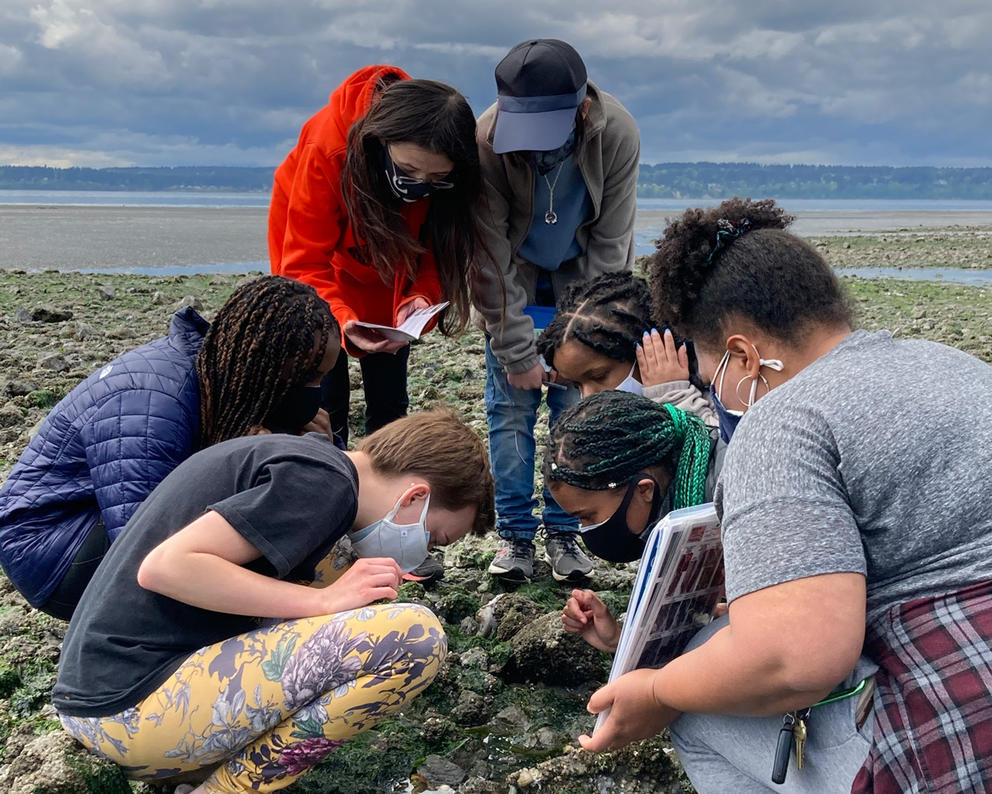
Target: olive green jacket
[[607, 158]]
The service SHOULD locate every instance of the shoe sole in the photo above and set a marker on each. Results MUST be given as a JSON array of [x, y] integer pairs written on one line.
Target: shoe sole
[[575, 577], [514, 575]]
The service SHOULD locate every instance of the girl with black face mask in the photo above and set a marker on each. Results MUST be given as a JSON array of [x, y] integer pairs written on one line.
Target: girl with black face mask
[[618, 462]]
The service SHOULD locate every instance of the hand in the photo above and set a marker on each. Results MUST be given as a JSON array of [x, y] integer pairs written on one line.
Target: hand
[[529, 379], [321, 423], [586, 614], [659, 361], [368, 579], [369, 339], [258, 430], [635, 712], [409, 308]]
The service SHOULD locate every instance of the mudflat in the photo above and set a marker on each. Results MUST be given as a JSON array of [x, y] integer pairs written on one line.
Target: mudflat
[[87, 237]]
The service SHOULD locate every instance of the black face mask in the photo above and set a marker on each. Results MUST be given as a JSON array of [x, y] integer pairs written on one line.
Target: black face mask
[[297, 407], [613, 540]]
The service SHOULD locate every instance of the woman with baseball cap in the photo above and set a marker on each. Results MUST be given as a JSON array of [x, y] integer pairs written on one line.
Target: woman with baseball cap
[[559, 161]]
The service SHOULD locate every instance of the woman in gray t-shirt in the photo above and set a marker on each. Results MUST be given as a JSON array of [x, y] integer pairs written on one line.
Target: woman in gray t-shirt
[[852, 501]]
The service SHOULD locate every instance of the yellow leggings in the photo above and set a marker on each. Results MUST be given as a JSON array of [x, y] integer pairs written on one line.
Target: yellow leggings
[[268, 705]]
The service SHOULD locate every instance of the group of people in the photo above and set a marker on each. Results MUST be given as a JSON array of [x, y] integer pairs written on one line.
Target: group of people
[[230, 566]]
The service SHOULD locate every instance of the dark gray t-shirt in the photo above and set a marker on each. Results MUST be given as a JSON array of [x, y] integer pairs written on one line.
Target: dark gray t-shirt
[[874, 459], [292, 497]]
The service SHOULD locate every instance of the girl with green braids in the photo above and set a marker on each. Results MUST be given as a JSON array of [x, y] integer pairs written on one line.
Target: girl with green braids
[[617, 461]]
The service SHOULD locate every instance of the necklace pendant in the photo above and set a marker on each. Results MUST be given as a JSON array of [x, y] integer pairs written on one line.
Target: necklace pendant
[[550, 217]]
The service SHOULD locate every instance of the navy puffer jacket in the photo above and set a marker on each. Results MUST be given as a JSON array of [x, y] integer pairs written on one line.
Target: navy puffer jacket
[[100, 452]]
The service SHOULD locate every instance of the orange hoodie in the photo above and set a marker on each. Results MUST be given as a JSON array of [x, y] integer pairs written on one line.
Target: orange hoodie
[[310, 237]]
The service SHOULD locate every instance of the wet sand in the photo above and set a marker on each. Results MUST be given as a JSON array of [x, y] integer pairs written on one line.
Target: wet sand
[[85, 238], [36, 237]]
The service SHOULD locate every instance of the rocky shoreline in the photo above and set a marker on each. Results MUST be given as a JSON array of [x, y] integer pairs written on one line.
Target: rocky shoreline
[[504, 712]]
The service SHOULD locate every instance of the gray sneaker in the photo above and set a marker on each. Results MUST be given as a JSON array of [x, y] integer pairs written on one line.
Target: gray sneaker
[[430, 570], [568, 562], [514, 560]]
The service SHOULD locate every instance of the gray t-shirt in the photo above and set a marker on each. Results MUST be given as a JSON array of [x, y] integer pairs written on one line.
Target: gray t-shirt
[[874, 459], [291, 497]]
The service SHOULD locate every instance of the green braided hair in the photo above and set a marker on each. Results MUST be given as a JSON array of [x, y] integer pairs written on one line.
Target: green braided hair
[[607, 439], [268, 336], [609, 314]]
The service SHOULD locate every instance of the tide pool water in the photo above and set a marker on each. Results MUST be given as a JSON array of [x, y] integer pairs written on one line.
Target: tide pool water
[[187, 232]]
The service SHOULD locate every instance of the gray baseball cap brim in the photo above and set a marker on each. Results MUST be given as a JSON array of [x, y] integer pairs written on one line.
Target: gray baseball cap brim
[[537, 124]]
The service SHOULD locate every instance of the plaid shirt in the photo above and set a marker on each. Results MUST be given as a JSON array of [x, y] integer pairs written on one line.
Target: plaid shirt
[[933, 702]]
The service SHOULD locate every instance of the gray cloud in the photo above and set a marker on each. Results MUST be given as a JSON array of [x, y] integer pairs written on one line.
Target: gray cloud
[[167, 82]]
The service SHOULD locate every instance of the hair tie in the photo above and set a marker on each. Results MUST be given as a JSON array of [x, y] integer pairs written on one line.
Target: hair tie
[[727, 232]]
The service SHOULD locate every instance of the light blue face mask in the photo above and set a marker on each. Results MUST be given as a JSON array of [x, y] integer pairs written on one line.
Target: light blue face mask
[[405, 543]]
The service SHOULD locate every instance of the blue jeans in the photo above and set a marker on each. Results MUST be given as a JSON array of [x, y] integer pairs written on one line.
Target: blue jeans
[[512, 414]]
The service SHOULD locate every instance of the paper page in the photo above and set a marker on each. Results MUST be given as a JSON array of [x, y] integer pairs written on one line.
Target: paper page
[[411, 328]]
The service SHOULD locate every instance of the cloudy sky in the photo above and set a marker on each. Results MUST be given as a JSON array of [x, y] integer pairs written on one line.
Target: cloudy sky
[[229, 82]]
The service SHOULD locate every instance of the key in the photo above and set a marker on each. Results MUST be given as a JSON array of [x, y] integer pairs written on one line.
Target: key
[[783, 749], [799, 737]]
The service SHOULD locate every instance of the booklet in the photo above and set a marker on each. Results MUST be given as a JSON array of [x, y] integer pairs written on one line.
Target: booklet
[[411, 328], [679, 582]]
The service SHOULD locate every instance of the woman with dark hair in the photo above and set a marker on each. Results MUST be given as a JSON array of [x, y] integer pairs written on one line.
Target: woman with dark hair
[[256, 369], [617, 462], [375, 209], [855, 529]]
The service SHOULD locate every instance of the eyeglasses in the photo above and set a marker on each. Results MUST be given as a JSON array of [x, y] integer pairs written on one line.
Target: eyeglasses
[[409, 181], [403, 180]]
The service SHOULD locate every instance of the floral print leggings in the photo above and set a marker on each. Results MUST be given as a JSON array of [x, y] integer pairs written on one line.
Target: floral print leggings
[[267, 705]]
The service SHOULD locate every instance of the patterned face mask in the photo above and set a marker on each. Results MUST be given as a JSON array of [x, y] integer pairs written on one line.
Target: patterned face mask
[[406, 187]]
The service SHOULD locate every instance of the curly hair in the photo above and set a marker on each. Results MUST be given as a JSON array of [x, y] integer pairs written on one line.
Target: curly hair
[[438, 118], [607, 439], [608, 314], [268, 336], [737, 260]]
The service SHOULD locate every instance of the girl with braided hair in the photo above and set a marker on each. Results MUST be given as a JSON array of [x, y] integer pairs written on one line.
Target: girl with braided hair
[[375, 207], [617, 462], [855, 524], [603, 336], [115, 436]]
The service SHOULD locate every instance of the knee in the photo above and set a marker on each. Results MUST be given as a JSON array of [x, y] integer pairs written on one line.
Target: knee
[[418, 639]]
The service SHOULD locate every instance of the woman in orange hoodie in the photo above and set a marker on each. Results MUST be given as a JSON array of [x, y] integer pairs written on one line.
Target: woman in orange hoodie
[[374, 208]]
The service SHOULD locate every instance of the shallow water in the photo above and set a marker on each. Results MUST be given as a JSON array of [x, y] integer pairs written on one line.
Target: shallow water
[[951, 275], [178, 239]]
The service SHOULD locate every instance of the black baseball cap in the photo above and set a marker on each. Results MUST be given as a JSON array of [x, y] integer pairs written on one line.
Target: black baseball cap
[[541, 83]]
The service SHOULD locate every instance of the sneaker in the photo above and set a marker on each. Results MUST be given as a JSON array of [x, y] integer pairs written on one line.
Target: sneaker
[[514, 560], [568, 562], [430, 570]]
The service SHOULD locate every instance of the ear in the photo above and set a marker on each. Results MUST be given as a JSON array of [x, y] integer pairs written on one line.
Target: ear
[[586, 103], [744, 351], [417, 492], [645, 490]]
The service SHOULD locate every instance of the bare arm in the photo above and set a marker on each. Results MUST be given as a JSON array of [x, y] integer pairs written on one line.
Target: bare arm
[[786, 647], [202, 565]]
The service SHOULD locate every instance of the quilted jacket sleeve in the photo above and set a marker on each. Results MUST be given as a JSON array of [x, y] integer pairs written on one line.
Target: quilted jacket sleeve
[[133, 440]]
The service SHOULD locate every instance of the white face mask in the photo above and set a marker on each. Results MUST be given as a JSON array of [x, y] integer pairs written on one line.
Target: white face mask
[[405, 543], [630, 383]]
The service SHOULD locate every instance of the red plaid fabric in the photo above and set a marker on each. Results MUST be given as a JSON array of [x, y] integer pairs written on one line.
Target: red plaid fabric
[[933, 701]]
